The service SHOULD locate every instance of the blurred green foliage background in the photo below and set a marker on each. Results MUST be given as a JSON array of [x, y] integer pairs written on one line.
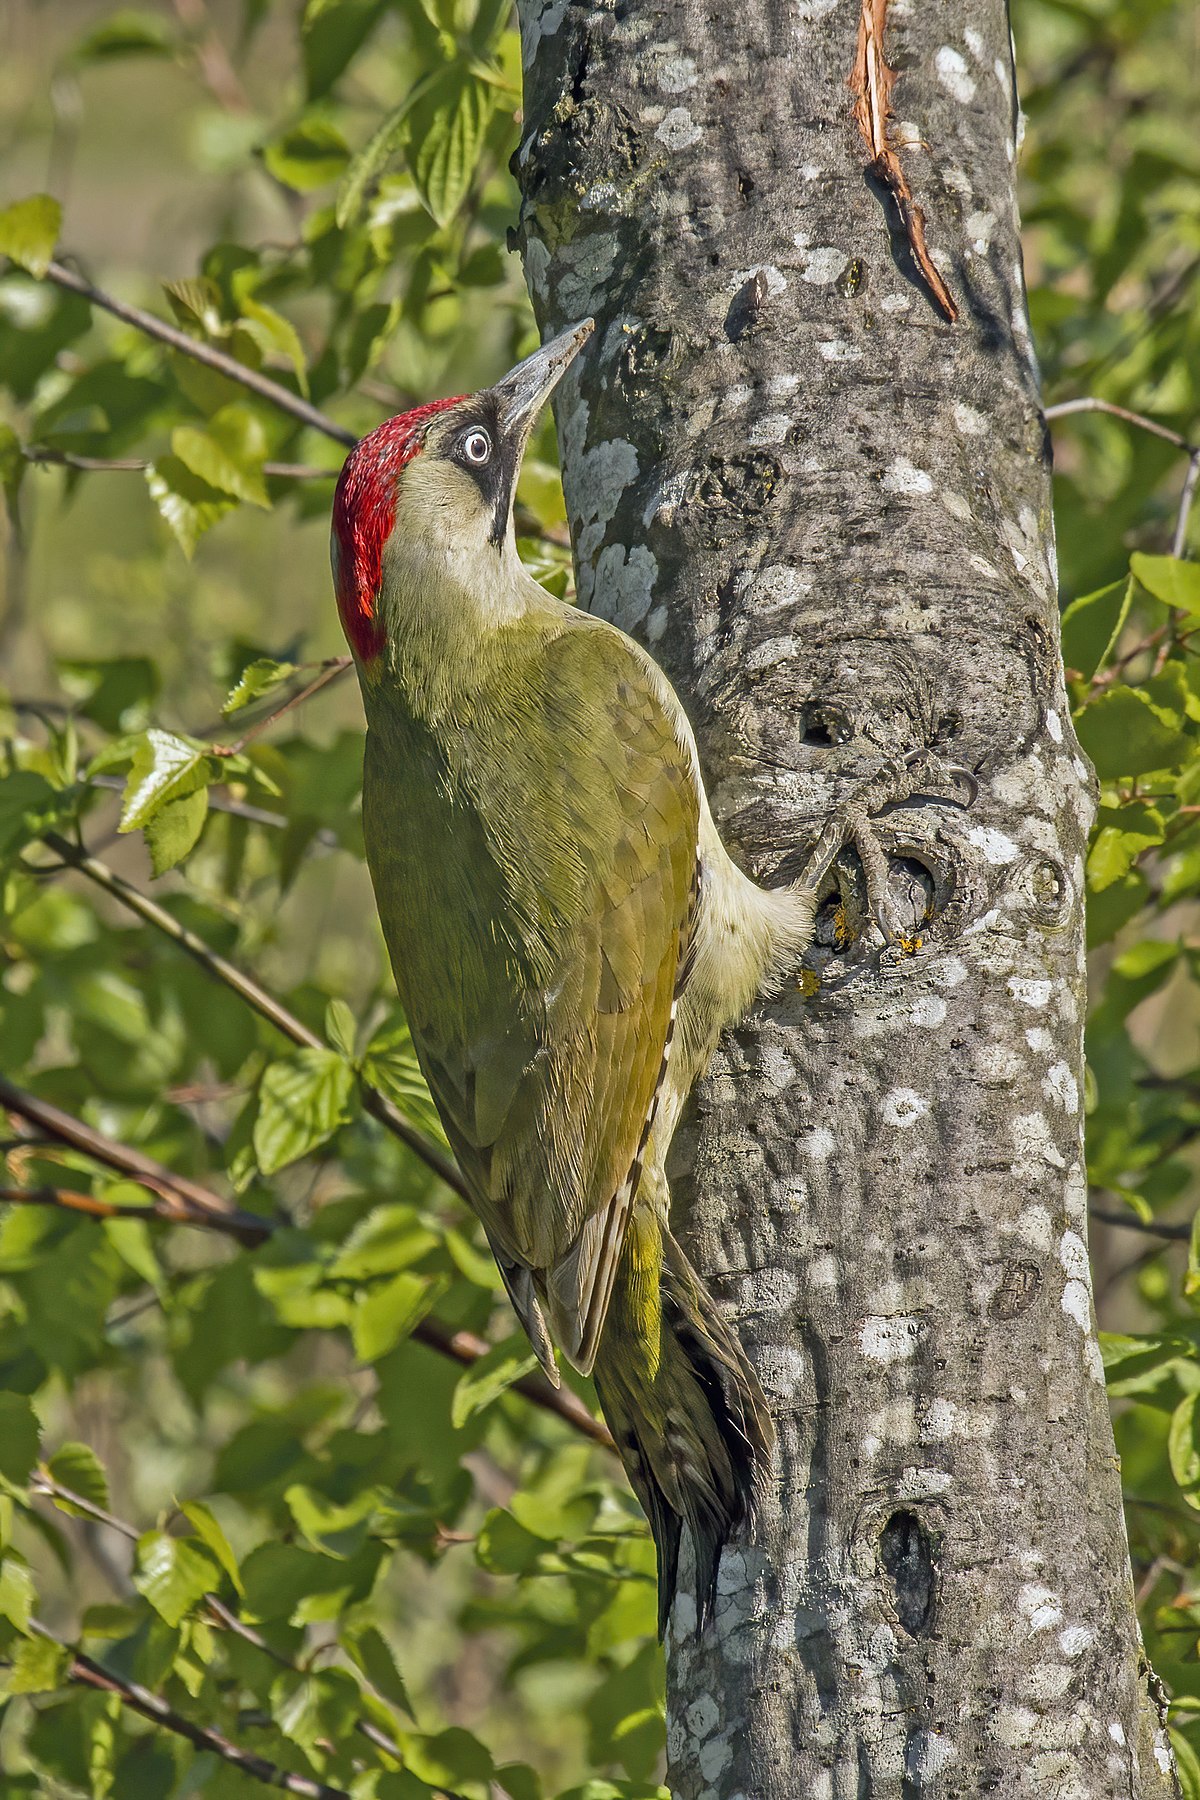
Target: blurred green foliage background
[[296, 1519]]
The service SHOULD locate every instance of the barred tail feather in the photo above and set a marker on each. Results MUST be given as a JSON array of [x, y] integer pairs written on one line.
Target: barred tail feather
[[685, 1407]]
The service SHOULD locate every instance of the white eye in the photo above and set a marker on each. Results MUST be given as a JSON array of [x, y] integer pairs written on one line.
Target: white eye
[[477, 446]]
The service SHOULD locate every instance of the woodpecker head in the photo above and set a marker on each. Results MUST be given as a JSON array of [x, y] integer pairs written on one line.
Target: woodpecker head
[[426, 498]]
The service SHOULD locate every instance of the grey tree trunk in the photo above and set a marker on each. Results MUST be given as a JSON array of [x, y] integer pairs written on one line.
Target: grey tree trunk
[[826, 510]]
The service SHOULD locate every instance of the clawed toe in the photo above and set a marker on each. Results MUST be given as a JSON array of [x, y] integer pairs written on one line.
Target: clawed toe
[[920, 774]]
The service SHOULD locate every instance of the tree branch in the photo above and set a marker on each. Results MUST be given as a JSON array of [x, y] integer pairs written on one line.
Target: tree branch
[[154, 327], [1062, 409], [1128, 1221], [181, 1201], [202, 1207], [330, 671], [170, 1212], [1089, 403], [89, 1673], [134, 465], [1179, 542], [374, 1101]]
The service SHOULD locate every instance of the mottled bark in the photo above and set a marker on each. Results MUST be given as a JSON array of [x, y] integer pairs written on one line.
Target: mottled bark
[[827, 512]]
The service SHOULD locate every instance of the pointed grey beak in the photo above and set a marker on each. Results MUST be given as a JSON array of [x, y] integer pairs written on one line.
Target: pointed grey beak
[[523, 392]]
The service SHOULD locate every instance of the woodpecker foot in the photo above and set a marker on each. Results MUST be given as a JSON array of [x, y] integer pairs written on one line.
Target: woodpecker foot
[[921, 773]]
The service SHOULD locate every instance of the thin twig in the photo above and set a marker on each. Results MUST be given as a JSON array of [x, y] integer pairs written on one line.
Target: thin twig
[[871, 82], [1179, 542], [154, 327], [244, 1226], [237, 809], [88, 1673], [135, 465], [1089, 403], [464, 1347], [331, 670], [1129, 1221], [264, 1004], [220, 76], [209, 1210], [187, 1202]]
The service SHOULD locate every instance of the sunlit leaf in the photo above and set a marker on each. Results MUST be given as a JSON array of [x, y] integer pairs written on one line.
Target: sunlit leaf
[[1169, 579], [29, 231], [164, 767], [173, 1574], [310, 155], [189, 504], [302, 1100], [446, 135], [485, 1380], [78, 1468]]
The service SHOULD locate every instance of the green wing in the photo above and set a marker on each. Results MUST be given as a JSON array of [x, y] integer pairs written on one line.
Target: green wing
[[536, 900]]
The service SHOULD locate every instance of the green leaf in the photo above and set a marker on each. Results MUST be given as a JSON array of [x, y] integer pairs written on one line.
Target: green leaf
[[302, 1099], [372, 1653], [189, 505], [336, 1530], [1092, 625], [1125, 733], [1134, 1365], [195, 300], [331, 31], [227, 454], [29, 231], [38, 1666], [259, 677], [490, 1377], [12, 464], [17, 1595], [209, 1529], [310, 155], [1187, 1765], [319, 1709], [446, 134], [173, 1574], [271, 331], [505, 1546], [19, 1433], [125, 33], [448, 1759], [164, 767], [367, 166], [391, 1311], [1116, 846], [341, 1028], [77, 1467], [174, 829], [1169, 579], [29, 805], [1183, 1449]]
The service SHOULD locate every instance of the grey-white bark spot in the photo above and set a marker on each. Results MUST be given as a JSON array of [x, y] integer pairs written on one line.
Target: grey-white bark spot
[[903, 477], [953, 74], [902, 1107], [678, 129], [890, 1340]]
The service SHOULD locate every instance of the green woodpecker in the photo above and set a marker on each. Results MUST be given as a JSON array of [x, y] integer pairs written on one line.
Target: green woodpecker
[[567, 932]]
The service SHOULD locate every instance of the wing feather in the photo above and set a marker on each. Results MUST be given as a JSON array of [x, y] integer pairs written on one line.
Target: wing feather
[[543, 892]]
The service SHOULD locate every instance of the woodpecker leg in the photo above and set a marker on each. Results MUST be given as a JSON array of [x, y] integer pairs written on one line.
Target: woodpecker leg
[[921, 772]]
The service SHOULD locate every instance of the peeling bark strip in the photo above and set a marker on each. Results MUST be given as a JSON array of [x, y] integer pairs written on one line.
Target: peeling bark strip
[[871, 83], [830, 520]]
